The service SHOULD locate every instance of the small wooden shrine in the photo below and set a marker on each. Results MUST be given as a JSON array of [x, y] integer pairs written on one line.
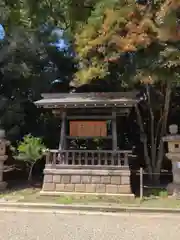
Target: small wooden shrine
[[88, 118]]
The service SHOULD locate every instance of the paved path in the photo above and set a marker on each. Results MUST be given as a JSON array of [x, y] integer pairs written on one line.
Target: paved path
[[61, 226]]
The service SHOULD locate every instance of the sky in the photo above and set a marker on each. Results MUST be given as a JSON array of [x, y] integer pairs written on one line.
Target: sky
[[61, 44], [2, 32]]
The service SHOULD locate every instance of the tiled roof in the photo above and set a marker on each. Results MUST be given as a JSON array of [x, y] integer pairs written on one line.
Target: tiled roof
[[120, 99]]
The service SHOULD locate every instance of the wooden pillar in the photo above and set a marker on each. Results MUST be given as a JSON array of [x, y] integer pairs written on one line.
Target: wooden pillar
[[62, 140], [114, 131]]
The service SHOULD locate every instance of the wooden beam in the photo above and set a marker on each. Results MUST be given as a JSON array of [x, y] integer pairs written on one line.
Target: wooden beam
[[91, 151], [87, 137], [62, 141], [114, 131], [85, 105], [92, 117], [98, 111]]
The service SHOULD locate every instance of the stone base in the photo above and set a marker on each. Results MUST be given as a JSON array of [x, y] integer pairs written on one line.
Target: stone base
[[95, 181], [173, 189], [3, 186]]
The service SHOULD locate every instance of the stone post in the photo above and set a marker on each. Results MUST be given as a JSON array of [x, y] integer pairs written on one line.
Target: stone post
[[173, 141], [3, 157]]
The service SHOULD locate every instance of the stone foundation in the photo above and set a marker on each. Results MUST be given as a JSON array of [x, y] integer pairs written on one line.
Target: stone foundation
[[3, 186], [92, 180]]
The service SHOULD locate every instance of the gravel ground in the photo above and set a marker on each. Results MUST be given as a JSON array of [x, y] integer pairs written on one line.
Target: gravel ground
[[60, 226]]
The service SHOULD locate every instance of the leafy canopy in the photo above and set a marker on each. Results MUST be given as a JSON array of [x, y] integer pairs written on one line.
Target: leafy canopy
[[118, 27]]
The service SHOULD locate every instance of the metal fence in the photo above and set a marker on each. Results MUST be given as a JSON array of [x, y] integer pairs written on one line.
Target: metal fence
[[144, 186]]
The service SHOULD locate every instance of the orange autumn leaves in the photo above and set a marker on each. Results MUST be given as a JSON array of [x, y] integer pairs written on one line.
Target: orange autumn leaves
[[122, 29]]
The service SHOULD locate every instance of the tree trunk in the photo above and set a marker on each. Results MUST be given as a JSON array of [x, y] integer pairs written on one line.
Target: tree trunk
[[30, 172], [153, 143], [160, 155], [143, 137]]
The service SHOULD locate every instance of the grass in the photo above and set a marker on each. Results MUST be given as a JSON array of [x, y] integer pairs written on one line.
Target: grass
[[18, 194], [155, 199]]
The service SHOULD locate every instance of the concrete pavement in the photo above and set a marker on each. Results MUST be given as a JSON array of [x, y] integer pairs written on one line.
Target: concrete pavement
[[46, 225]]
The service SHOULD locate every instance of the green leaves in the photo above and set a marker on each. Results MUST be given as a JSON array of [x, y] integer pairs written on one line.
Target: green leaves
[[118, 27], [30, 149]]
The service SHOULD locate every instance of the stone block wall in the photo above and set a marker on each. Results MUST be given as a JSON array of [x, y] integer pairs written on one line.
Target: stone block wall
[[87, 180]]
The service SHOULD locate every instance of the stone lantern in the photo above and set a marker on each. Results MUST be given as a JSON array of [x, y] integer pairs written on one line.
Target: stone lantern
[[3, 157], [173, 141]]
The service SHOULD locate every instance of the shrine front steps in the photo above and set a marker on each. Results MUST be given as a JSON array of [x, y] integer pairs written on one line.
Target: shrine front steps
[[87, 181]]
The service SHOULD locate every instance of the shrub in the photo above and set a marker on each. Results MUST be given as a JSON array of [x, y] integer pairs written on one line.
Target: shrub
[[30, 150]]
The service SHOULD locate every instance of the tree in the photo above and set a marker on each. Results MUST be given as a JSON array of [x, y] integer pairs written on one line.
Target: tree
[[30, 150], [149, 34], [28, 64]]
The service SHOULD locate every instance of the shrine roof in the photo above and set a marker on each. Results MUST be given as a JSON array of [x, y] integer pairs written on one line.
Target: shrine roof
[[117, 99]]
